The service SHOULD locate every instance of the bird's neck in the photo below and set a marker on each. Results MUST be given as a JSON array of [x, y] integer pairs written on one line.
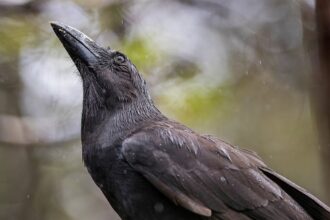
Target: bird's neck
[[113, 124], [132, 115]]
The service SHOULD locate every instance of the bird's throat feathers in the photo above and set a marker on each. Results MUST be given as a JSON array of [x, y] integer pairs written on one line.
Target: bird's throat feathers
[[100, 114]]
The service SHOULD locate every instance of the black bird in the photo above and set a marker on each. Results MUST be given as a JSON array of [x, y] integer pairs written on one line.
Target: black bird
[[152, 168]]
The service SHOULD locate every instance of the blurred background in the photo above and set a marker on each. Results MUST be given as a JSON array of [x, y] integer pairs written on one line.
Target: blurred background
[[244, 70]]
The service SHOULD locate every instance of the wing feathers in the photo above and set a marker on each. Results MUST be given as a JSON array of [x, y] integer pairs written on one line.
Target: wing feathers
[[179, 198], [209, 177], [315, 208]]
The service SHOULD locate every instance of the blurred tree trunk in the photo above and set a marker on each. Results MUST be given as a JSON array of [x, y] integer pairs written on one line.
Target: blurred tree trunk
[[321, 86], [19, 167], [18, 170]]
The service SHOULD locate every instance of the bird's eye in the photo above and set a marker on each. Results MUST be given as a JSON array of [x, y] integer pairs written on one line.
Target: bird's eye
[[119, 59]]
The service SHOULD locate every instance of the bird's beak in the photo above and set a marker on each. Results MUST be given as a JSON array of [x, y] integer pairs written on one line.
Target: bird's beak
[[78, 45]]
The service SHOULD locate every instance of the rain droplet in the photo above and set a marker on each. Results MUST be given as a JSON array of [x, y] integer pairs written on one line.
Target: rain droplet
[[159, 207], [222, 179]]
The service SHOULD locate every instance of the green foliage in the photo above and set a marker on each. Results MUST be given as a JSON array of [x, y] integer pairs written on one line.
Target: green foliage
[[13, 35], [197, 106], [140, 53]]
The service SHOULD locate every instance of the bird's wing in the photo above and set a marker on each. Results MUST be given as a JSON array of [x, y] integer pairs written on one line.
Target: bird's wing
[[204, 174], [316, 208]]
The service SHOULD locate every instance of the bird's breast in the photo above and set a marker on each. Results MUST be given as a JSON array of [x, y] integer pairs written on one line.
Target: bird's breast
[[127, 190]]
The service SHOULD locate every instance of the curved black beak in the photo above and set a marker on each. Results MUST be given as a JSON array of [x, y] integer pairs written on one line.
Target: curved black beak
[[78, 45]]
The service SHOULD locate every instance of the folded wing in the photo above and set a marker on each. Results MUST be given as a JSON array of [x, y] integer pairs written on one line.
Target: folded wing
[[209, 177]]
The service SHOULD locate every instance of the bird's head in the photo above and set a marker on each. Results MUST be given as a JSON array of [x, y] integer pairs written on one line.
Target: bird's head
[[109, 77]]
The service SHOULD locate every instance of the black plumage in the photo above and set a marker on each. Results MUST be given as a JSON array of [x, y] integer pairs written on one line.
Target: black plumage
[[152, 168]]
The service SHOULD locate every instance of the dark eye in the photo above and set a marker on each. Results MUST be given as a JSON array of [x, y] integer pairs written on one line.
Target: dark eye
[[119, 59]]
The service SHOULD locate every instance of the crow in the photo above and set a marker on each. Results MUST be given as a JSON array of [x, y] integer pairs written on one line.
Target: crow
[[152, 168]]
